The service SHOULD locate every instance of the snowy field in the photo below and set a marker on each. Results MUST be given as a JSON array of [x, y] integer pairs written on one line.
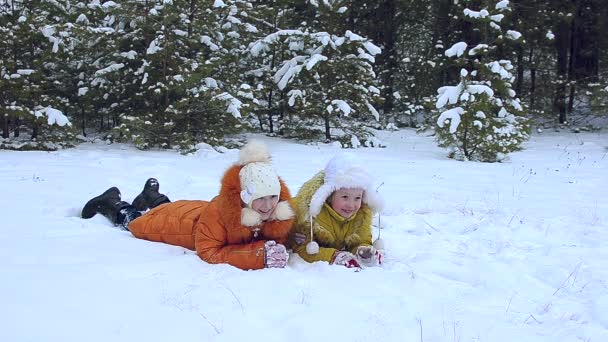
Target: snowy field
[[516, 251]]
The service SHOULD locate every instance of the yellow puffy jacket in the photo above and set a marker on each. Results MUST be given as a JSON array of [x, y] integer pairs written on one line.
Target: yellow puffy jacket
[[331, 231]]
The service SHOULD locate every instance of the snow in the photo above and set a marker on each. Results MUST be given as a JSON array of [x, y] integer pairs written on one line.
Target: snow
[[497, 17], [448, 95], [511, 34], [82, 19], [502, 4], [480, 89], [314, 59], [48, 32], [476, 14], [210, 82], [54, 116], [288, 71], [474, 51], [373, 111], [208, 41], [497, 252], [129, 54], [25, 72], [453, 115], [109, 68], [153, 48], [343, 106], [456, 50], [501, 70], [109, 4], [233, 105], [293, 95], [372, 48]]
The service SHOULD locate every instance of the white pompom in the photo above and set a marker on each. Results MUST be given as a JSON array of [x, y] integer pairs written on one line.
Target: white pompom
[[379, 244], [312, 248]]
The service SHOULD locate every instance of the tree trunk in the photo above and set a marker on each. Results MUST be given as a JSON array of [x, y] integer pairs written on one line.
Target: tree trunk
[[520, 70], [282, 113], [327, 131], [441, 33], [84, 121], [389, 29], [4, 124], [16, 125], [574, 47], [586, 40], [35, 131], [562, 40], [270, 123], [532, 79]]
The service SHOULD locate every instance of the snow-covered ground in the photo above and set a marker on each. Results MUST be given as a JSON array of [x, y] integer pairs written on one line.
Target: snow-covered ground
[[516, 251]]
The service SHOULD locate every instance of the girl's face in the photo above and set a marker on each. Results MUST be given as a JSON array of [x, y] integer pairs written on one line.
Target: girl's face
[[265, 205], [346, 202]]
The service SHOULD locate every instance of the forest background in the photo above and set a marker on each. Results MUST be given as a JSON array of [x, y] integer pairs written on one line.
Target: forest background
[[174, 73]]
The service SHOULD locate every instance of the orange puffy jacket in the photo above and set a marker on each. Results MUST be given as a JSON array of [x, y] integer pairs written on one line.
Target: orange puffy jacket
[[214, 229]]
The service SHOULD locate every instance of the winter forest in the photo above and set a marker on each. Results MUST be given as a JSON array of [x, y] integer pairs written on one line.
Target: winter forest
[[482, 124], [171, 74]]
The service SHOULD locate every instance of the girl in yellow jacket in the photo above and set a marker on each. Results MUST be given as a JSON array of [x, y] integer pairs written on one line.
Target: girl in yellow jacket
[[334, 212]]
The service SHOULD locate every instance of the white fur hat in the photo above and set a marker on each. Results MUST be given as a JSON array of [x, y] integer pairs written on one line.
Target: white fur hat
[[345, 170]]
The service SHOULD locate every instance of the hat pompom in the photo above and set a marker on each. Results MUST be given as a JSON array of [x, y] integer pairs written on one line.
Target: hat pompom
[[379, 244], [254, 151], [312, 248]]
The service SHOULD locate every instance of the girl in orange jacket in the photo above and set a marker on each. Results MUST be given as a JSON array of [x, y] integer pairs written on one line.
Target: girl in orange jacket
[[246, 225]]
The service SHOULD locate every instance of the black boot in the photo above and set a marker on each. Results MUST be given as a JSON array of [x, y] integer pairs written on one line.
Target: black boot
[[108, 204], [149, 196]]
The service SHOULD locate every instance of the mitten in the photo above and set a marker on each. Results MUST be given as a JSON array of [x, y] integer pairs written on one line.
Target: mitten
[[370, 256], [346, 259], [275, 254]]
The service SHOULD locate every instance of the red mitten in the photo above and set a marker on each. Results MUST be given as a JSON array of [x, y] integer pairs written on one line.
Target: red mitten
[[370, 256], [346, 259]]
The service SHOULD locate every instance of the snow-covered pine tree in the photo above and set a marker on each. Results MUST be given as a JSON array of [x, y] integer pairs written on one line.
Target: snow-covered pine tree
[[268, 102], [33, 46], [326, 72], [481, 118], [92, 93], [171, 61]]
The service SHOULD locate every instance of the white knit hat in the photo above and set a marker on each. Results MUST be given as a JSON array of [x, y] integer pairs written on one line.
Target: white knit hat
[[346, 171], [258, 179]]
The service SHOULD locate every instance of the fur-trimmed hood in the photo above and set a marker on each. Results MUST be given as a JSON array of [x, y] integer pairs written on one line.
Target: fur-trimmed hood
[[343, 171]]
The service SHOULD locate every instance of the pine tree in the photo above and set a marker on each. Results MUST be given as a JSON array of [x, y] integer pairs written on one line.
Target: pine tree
[[34, 44], [326, 73], [170, 75], [481, 118]]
